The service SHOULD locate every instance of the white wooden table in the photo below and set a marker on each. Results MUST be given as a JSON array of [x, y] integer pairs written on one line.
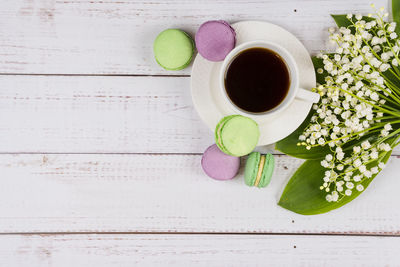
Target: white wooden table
[[100, 148]]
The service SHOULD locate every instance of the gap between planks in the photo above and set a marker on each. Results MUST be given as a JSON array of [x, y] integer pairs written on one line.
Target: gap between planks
[[97, 75], [275, 153], [198, 233]]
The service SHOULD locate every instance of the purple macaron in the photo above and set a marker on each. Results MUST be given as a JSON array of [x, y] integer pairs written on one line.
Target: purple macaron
[[219, 165], [215, 39]]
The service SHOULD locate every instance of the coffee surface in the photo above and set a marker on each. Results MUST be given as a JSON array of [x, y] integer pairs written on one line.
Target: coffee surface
[[257, 80]]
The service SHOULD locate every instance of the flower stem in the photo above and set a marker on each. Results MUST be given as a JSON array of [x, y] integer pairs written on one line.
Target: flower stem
[[397, 114]]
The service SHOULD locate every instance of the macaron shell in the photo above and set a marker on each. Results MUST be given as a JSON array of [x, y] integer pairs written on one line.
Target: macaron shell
[[251, 168], [239, 136], [218, 130], [218, 165], [173, 49], [267, 170], [215, 39]]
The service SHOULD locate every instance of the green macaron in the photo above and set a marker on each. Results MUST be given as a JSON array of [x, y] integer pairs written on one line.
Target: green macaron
[[237, 135], [173, 49], [259, 169]]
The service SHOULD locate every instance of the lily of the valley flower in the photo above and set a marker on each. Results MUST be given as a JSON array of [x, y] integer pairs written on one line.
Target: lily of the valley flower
[[357, 99]]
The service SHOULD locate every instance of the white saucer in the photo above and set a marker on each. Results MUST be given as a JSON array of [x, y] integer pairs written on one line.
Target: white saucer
[[211, 105]]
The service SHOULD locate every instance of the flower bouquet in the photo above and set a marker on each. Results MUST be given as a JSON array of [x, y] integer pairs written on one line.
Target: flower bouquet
[[349, 135]]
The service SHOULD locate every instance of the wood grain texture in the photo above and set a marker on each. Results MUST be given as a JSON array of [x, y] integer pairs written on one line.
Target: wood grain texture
[[65, 114], [99, 114], [197, 250], [115, 37], [165, 190], [170, 193]]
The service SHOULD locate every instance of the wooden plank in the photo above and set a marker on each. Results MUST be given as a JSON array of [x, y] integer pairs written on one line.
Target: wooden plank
[[64, 114], [197, 250], [99, 114], [109, 37], [170, 193]]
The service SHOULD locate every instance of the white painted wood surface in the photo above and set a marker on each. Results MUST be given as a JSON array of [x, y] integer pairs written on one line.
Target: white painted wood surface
[[104, 148], [115, 37], [99, 114], [198, 250], [80, 114], [170, 193]]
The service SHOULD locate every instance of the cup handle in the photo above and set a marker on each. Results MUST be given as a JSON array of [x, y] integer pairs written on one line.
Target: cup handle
[[307, 95]]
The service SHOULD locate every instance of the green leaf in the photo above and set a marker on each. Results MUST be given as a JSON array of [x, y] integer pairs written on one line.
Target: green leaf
[[371, 137], [389, 76], [289, 144], [396, 14], [343, 21], [318, 64], [302, 194]]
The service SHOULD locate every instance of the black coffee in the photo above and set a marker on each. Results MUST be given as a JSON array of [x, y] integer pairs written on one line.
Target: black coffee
[[257, 80]]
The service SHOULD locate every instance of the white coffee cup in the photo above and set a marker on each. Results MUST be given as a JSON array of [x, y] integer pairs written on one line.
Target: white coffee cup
[[294, 90]]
